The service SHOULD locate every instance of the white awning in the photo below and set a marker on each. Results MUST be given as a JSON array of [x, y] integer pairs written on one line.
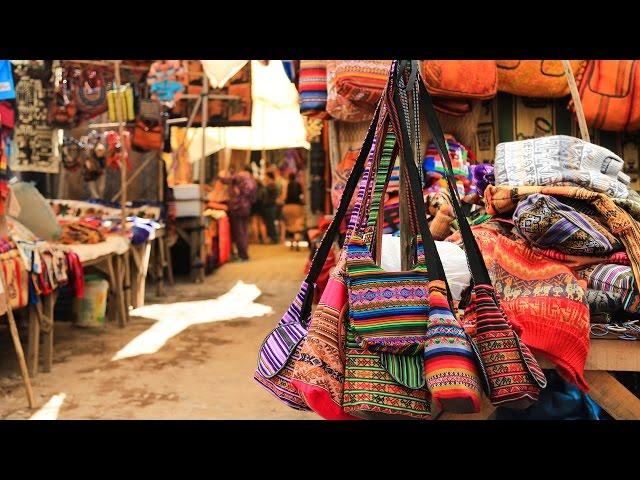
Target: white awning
[[276, 120]]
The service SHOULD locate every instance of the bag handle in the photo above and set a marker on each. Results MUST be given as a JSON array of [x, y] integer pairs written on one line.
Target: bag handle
[[577, 102], [320, 256], [474, 256], [432, 258]]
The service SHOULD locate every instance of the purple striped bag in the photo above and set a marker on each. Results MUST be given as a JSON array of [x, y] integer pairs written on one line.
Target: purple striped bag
[[281, 349], [282, 345]]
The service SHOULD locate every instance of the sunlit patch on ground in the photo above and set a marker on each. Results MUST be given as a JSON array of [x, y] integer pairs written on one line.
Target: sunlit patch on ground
[[51, 409], [173, 318]]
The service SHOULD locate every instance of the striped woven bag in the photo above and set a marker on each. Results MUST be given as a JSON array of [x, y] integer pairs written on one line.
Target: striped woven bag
[[281, 348], [450, 365], [511, 375]]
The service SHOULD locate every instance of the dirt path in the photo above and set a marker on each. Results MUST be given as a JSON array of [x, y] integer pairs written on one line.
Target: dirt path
[[204, 372]]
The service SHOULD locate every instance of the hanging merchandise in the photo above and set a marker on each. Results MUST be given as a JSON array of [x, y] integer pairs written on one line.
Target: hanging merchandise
[[281, 348], [149, 130], [62, 108], [7, 116], [361, 81], [127, 99], [7, 90], [219, 72], [608, 94], [118, 149], [165, 79], [292, 69], [340, 107], [340, 176], [91, 92], [552, 160], [34, 146], [95, 158], [313, 88], [454, 83], [517, 382], [536, 78]]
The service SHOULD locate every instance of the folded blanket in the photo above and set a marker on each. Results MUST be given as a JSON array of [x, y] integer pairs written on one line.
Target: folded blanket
[[547, 222], [556, 159]]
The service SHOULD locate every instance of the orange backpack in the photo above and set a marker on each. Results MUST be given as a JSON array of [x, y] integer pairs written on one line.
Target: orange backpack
[[536, 78], [609, 96], [454, 83]]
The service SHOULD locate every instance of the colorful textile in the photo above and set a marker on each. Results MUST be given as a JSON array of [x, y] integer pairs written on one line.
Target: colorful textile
[[449, 362], [556, 159], [340, 176], [512, 375], [384, 385], [80, 232], [313, 87], [319, 374], [458, 153], [339, 106], [542, 300], [503, 199], [616, 280], [7, 89], [602, 302], [362, 81], [280, 351], [547, 222], [578, 261]]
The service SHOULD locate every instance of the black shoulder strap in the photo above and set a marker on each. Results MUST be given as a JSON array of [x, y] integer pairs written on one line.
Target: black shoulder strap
[[474, 256], [327, 240], [434, 265]]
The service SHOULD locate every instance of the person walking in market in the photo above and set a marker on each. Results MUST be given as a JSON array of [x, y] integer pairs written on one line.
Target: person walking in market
[[243, 192], [269, 206]]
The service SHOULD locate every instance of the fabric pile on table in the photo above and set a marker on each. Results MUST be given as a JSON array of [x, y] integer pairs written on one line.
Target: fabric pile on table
[[561, 241]]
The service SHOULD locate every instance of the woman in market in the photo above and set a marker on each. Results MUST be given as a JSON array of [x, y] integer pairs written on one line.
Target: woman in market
[[242, 194]]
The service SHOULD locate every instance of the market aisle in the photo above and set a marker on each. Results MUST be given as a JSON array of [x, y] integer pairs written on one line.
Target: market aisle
[[204, 372]]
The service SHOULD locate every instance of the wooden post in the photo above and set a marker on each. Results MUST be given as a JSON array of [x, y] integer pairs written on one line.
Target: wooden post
[[22, 363], [121, 123], [205, 120], [33, 341], [577, 103]]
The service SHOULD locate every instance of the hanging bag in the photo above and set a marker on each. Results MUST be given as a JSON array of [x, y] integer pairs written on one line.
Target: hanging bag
[[511, 374], [281, 348], [401, 323], [91, 93], [456, 83], [535, 78], [609, 93]]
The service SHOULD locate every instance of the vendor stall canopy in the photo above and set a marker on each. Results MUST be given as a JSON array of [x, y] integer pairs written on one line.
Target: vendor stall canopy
[[275, 120]]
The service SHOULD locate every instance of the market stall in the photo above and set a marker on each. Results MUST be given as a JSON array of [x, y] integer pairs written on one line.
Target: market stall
[[547, 221]]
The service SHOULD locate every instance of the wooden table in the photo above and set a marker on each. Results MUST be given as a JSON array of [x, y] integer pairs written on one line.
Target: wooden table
[[155, 254], [604, 356], [191, 230]]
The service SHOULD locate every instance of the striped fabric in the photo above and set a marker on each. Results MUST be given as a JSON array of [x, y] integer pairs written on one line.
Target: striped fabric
[[280, 350], [313, 87], [547, 222], [512, 376], [373, 389], [449, 361], [616, 280]]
